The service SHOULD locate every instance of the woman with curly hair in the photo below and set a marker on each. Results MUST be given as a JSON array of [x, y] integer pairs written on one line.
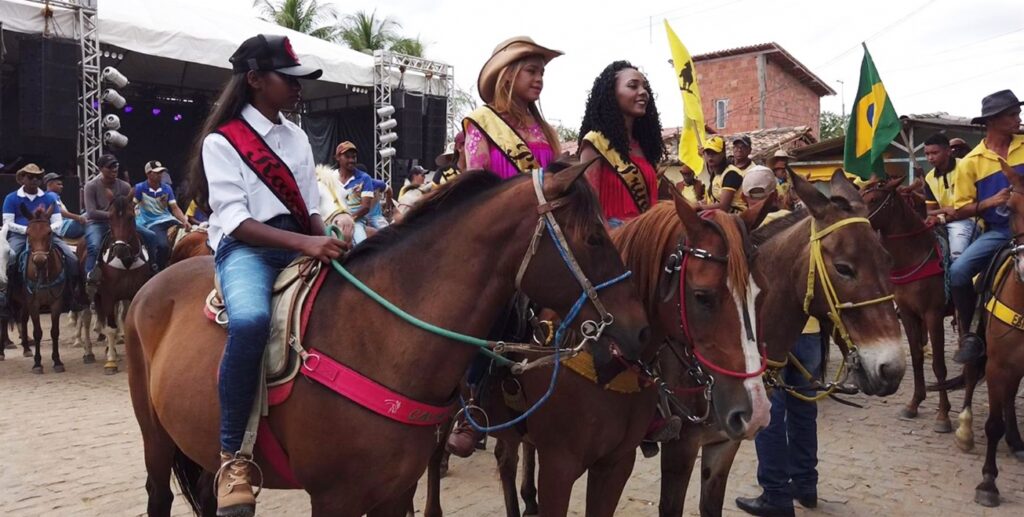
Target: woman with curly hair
[[508, 135], [621, 126]]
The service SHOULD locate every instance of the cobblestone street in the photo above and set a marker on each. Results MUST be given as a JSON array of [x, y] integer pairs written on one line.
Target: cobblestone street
[[69, 445]]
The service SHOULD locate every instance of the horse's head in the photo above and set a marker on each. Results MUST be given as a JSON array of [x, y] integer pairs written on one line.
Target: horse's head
[[1016, 207], [853, 271], [553, 276], [38, 234], [125, 242], [692, 273], [890, 203]]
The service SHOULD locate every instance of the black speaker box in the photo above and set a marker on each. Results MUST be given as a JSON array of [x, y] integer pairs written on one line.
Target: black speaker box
[[410, 127], [435, 128], [48, 81]]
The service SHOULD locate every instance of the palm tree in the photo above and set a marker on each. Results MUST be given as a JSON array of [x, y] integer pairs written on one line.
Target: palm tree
[[366, 32], [305, 16], [409, 46]]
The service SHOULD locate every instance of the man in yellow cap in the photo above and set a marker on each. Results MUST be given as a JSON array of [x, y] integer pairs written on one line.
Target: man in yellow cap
[[725, 182]]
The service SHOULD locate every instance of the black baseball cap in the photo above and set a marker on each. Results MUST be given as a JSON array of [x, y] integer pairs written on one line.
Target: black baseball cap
[[107, 160], [742, 139], [268, 52]]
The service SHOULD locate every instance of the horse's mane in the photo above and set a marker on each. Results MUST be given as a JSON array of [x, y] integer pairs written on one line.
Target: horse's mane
[[644, 240], [121, 204], [466, 191], [766, 232]]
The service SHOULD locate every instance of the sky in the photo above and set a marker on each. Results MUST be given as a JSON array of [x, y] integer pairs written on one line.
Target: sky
[[932, 55]]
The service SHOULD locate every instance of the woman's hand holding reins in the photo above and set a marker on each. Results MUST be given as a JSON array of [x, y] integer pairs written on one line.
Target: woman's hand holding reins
[[324, 248]]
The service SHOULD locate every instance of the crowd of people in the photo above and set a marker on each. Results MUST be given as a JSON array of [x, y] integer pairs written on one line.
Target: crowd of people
[[260, 218]]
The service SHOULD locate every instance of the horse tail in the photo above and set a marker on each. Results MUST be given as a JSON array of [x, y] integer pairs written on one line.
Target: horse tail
[[960, 381], [196, 485]]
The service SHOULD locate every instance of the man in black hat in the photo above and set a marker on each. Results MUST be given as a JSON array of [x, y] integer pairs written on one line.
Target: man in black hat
[[982, 191]]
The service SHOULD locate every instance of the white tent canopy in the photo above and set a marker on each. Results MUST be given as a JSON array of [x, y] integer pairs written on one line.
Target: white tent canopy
[[196, 33]]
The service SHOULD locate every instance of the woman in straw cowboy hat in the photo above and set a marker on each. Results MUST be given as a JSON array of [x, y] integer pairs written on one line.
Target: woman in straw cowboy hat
[[508, 135]]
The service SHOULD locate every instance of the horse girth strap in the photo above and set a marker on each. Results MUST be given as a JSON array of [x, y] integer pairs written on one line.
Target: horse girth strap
[[816, 269]]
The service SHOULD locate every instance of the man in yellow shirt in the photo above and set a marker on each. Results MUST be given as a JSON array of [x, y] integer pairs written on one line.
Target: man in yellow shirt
[[939, 184], [982, 190], [725, 180]]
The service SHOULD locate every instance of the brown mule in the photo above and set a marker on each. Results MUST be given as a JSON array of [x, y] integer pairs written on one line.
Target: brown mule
[[922, 301], [858, 267], [42, 285], [192, 244], [587, 428], [1004, 366], [477, 231]]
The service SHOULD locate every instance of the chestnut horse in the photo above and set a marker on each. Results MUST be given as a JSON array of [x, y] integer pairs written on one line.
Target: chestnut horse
[[477, 230], [191, 244], [586, 428], [922, 301], [857, 269], [1004, 366], [42, 284], [124, 263]]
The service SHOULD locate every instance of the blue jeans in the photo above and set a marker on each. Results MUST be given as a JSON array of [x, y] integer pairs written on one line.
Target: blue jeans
[[376, 221], [247, 275], [976, 257], [96, 231], [71, 229], [158, 242], [17, 243], [787, 450]]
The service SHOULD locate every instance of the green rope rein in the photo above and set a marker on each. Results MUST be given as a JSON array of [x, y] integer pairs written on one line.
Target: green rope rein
[[482, 344]]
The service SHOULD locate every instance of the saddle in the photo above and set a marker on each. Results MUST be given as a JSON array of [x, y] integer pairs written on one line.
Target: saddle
[[291, 291]]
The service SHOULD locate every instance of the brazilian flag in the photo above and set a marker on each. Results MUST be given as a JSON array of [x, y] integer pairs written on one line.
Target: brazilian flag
[[873, 124]]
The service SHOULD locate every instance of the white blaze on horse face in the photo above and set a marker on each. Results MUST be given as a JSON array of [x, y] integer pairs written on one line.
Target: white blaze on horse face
[[760, 406]]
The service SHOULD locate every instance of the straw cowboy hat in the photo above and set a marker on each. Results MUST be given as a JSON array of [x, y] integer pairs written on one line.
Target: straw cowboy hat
[[32, 169], [506, 53], [781, 154]]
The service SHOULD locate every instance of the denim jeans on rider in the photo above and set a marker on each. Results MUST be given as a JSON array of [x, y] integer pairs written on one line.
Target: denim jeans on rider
[[71, 229], [787, 450], [961, 234], [976, 257], [17, 243], [96, 231], [247, 275], [160, 243]]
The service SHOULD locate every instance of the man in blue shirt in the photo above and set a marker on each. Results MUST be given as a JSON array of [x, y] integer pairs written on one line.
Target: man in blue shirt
[[74, 224], [26, 200], [157, 210]]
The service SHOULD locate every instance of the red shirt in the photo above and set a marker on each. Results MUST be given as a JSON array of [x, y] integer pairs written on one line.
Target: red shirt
[[613, 194]]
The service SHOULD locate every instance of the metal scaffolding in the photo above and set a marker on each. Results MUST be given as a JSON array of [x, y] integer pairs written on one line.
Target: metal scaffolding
[[388, 64]]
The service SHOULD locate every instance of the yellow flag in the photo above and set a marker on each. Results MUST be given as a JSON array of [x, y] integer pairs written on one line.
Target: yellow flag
[[692, 135]]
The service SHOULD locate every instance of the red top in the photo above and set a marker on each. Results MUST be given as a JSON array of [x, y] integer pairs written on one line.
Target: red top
[[613, 194]]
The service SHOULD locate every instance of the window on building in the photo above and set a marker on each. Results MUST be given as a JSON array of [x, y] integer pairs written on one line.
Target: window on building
[[721, 107]]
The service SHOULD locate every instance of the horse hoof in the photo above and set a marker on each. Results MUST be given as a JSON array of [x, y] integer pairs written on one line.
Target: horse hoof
[[908, 413], [89, 358], [965, 441], [58, 368], [942, 426], [986, 498], [110, 368], [10, 346], [1016, 454], [37, 370], [27, 353]]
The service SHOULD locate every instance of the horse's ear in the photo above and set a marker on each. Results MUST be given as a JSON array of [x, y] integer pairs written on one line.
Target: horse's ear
[[755, 213], [1014, 178], [25, 213], [916, 187], [844, 188], [564, 179], [815, 201], [49, 211], [687, 214]]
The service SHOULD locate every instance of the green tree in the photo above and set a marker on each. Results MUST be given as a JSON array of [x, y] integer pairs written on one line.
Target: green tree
[[368, 32], [832, 125], [567, 134], [305, 16], [409, 46]]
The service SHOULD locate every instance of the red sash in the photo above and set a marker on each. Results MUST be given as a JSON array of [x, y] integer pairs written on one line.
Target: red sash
[[268, 167]]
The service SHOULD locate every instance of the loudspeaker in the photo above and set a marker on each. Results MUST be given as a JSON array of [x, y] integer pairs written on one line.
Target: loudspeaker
[[410, 126], [435, 128], [48, 88]]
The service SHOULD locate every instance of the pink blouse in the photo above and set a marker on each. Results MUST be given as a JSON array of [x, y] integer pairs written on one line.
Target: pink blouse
[[481, 155]]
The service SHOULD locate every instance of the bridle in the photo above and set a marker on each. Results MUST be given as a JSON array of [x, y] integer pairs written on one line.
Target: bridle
[[42, 281], [136, 256]]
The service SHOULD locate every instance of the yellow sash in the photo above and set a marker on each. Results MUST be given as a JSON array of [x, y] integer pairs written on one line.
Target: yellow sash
[[626, 170], [448, 175], [502, 136], [1000, 310]]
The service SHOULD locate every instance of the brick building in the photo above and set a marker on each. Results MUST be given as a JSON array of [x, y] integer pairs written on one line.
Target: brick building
[[758, 87]]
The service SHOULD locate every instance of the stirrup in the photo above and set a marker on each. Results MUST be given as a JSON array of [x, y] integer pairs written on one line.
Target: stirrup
[[256, 487]]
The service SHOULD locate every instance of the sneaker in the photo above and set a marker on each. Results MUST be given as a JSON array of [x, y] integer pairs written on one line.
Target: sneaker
[[234, 485]]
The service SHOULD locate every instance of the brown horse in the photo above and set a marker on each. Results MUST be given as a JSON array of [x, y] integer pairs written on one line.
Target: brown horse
[[1004, 367], [192, 244], [124, 264], [42, 284], [478, 231], [921, 301], [857, 266], [587, 428]]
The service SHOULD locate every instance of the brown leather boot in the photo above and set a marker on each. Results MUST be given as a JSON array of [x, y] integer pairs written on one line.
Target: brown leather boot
[[462, 440], [234, 483]]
